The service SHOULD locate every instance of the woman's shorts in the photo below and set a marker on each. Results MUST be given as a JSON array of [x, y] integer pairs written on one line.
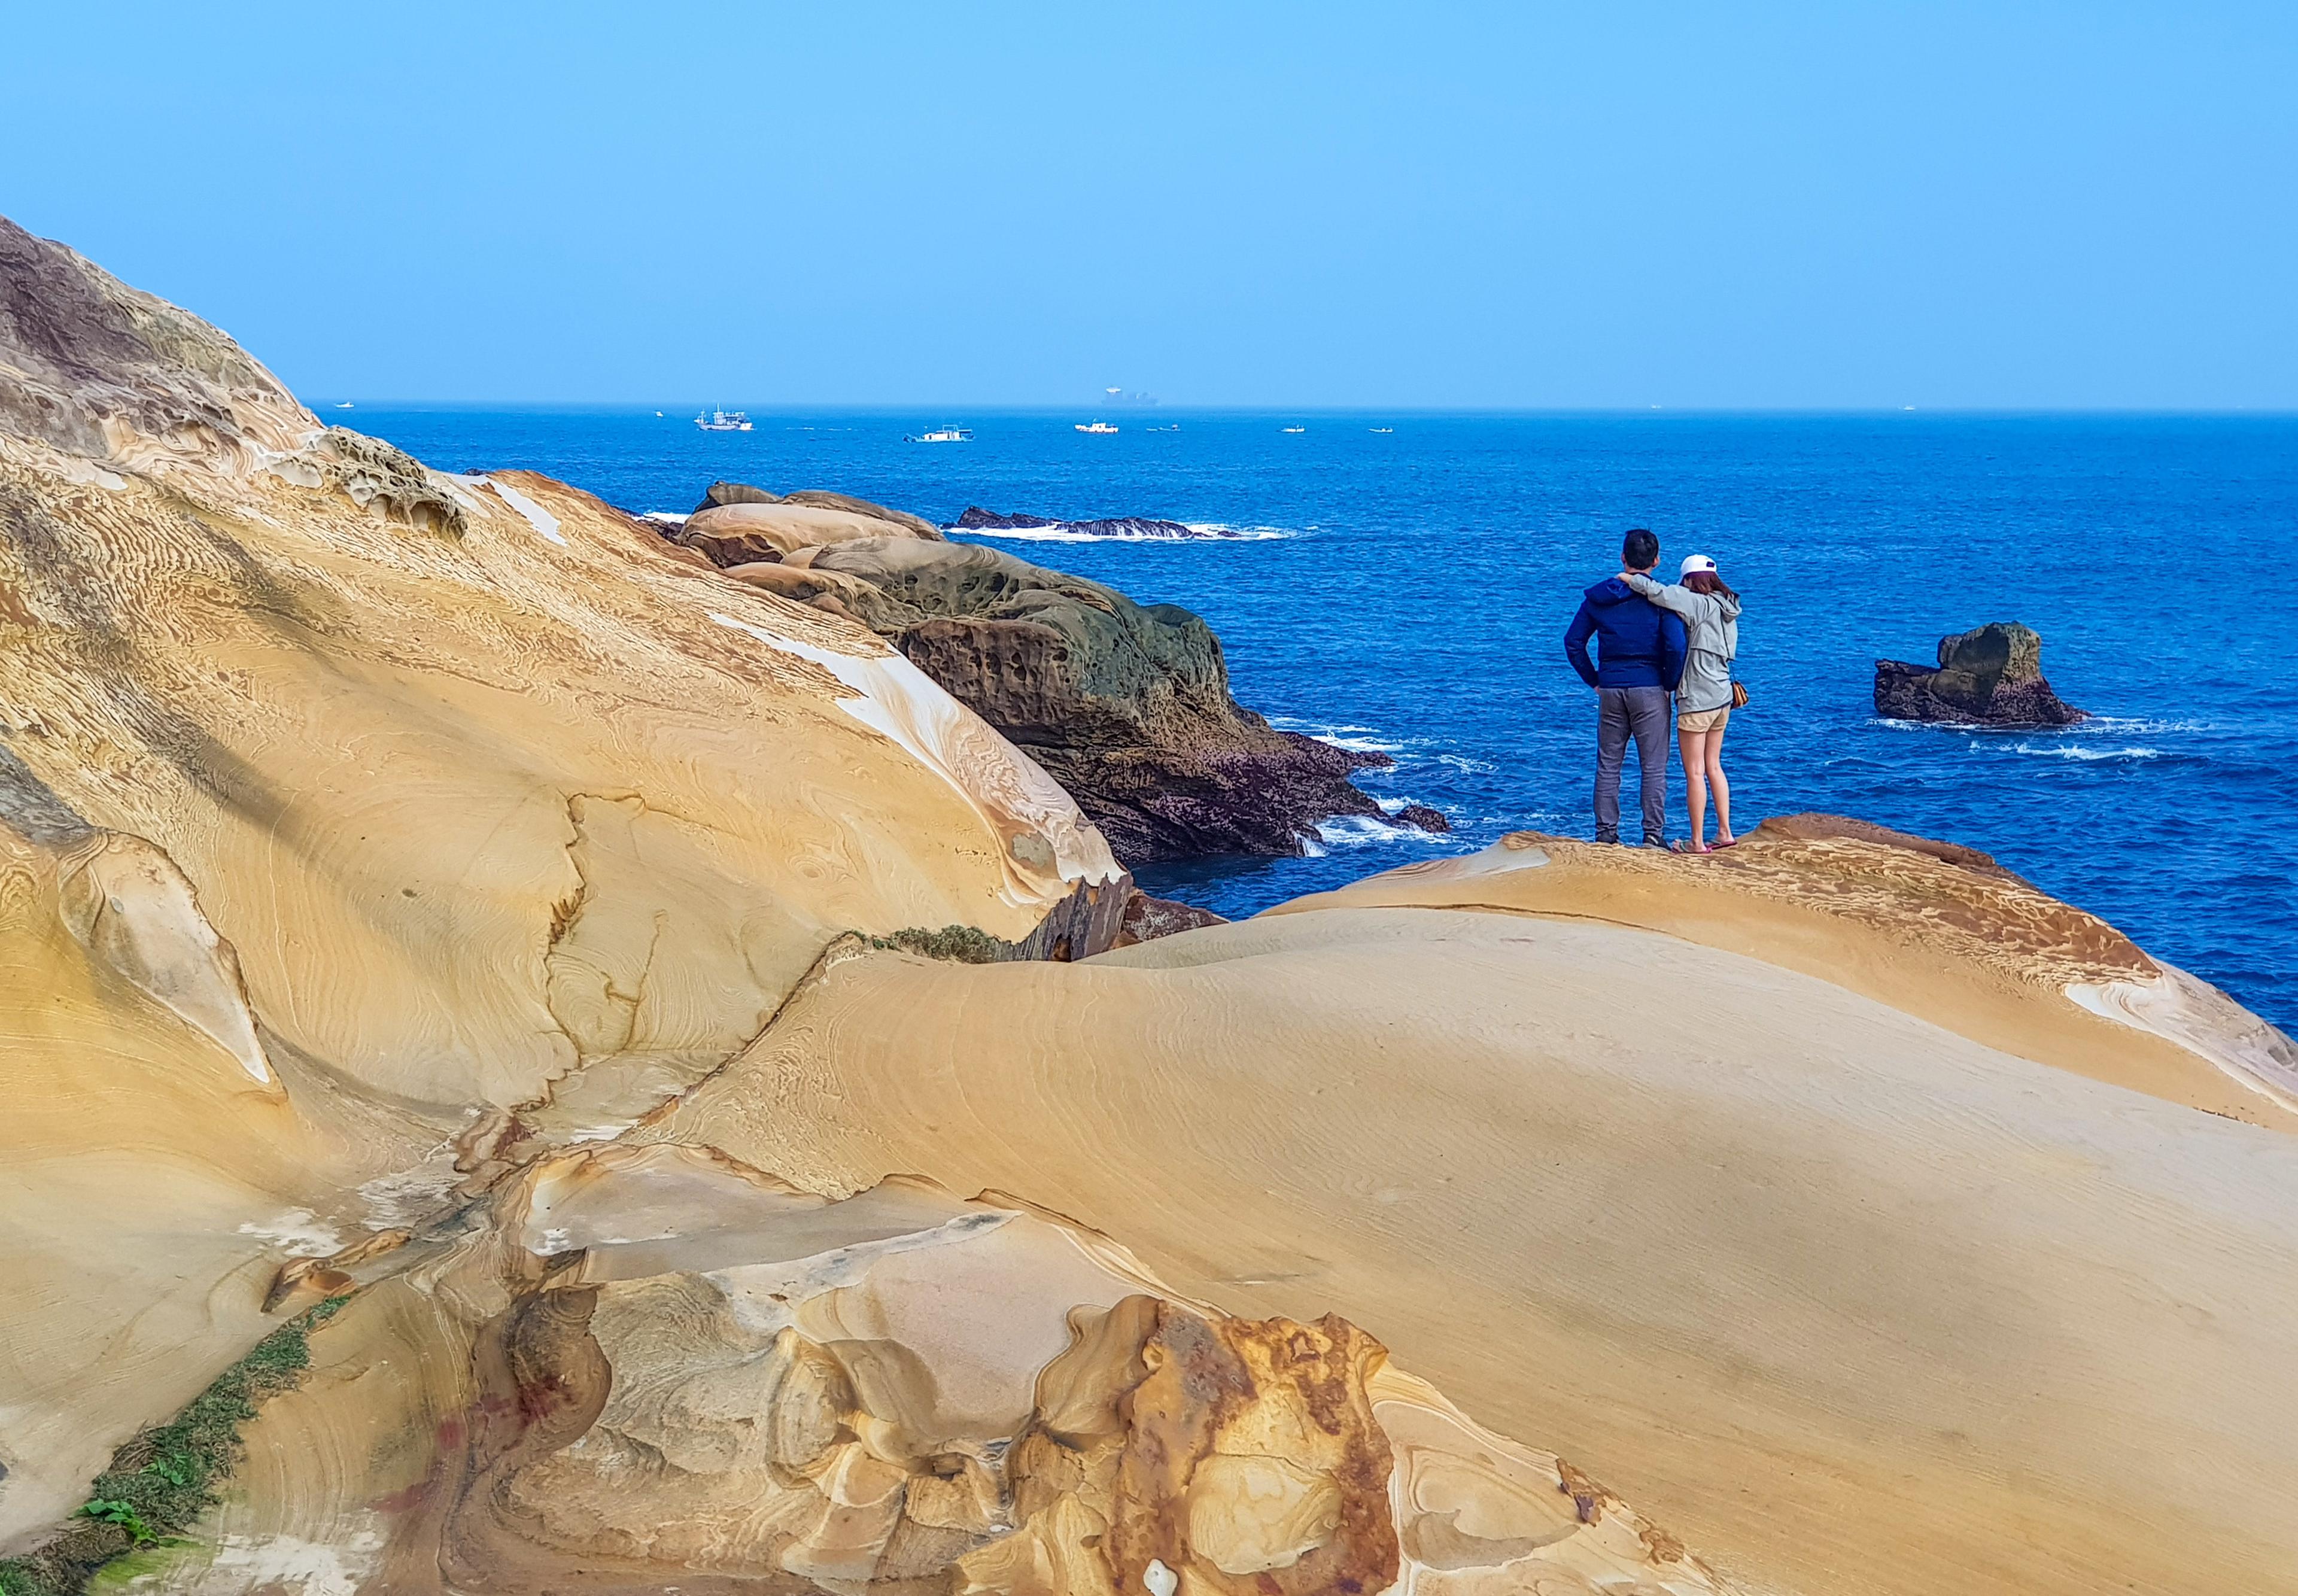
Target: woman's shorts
[[1703, 720]]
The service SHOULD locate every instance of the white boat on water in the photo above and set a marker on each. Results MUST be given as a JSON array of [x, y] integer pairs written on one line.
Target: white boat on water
[[723, 421], [1380, 429], [943, 434], [1296, 429], [1097, 426]]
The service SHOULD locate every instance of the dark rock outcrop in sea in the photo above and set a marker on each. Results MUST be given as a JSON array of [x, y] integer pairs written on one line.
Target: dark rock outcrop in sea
[[1989, 676], [1127, 706], [977, 519], [1420, 815]]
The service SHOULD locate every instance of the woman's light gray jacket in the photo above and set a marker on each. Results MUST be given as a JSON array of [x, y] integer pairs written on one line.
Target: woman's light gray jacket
[[1711, 623]]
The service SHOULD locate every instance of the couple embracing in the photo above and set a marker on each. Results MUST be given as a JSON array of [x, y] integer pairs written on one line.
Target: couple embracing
[[1653, 640]]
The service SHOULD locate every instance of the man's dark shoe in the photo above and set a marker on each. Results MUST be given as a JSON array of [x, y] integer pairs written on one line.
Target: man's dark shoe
[[1659, 842], [1613, 838]]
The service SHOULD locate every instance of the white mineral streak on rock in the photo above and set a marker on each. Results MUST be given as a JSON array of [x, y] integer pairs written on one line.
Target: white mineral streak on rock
[[132, 909], [298, 1230], [2205, 1020], [298, 1567], [1045, 829], [538, 518]]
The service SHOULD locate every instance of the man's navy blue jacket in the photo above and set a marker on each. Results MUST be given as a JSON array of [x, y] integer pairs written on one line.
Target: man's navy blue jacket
[[1638, 644]]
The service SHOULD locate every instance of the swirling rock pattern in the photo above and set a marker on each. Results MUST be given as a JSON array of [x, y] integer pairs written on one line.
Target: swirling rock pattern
[[656, 1365]]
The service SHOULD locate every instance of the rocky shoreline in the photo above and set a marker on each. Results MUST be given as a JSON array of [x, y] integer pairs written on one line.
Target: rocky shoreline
[[487, 1108], [1126, 705]]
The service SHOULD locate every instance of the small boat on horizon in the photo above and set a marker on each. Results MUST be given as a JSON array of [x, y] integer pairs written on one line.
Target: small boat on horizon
[[1097, 426], [723, 421], [1380, 429], [1296, 429], [944, 433], [345, 406]]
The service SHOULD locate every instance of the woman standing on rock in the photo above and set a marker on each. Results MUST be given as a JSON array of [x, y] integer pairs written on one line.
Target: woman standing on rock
[[1703, 699]]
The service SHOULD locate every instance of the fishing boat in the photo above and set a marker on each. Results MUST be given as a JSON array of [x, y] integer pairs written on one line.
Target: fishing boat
[[1095, 426], [723, 421], [942, 435], [1296, 429], [1380, 429]]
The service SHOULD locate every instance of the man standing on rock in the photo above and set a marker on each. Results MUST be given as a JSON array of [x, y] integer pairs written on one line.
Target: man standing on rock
[[1638, 660]]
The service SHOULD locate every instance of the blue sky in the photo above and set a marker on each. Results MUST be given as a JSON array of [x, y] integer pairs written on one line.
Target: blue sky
[[1844, 205]]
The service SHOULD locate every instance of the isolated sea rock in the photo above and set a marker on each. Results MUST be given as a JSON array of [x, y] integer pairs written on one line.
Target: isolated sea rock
[[977, 519], [1989, 676], [1127, 706]]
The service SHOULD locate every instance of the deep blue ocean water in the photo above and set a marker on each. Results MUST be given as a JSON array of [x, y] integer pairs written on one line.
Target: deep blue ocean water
[[1408, 592]]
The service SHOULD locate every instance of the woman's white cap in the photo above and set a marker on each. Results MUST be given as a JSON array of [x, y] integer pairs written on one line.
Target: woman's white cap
[[1697, 562]]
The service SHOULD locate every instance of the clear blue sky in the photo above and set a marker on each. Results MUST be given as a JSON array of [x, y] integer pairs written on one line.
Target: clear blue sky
[[1823, 205]]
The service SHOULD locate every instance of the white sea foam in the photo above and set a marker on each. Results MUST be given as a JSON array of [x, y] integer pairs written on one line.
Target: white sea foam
[[1206, 530], [2075, 750], [1358, 830], [666, 517]]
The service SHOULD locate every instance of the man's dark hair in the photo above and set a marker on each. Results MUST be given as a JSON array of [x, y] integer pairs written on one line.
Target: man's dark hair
[[1640, 550]]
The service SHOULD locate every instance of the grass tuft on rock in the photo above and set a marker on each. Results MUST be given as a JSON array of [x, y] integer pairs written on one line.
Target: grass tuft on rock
[[955, 944], [166, 1478]]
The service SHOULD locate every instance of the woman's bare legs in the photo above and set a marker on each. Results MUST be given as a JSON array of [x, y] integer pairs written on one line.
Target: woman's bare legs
[[1693, 746], [1719, 786]]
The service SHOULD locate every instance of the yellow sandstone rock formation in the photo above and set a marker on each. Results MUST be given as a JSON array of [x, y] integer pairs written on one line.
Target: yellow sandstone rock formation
[[436, 891]]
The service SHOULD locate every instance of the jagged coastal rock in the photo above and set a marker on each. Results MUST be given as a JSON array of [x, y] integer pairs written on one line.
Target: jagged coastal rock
[[1989, 676], [977, 519], [471, 995], [1126, 705]]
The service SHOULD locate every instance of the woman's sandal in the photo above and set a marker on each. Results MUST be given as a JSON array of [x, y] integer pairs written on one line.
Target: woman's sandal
[[1726, 842], [1681, 846]]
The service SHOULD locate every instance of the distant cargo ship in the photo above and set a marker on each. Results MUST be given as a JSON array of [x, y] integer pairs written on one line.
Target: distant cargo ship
[[723, 421], [943, 434], [1097, 426]]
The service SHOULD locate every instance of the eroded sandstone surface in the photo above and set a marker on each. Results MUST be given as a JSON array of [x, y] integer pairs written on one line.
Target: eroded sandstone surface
[[446, 903]]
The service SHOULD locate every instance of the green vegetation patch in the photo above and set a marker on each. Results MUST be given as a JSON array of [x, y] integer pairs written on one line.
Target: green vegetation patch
[[166, 1478], [956, 943]]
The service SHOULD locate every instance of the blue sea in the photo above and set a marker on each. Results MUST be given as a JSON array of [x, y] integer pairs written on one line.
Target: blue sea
[[1406, 591]]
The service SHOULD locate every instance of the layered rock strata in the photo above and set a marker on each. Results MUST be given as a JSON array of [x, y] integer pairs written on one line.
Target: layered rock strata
[[1991, 676]]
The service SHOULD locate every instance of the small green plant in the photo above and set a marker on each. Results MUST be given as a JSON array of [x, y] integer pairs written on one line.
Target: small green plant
[[124, 1515], [955, 944], [166, 1478]]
